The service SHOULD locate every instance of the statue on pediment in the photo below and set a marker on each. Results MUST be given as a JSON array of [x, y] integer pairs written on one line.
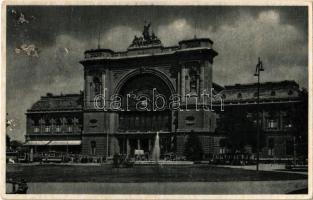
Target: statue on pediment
[[146, 39], [145, 33]]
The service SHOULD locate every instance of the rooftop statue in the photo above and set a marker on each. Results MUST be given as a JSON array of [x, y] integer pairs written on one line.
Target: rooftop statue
[[146, 39], [145, 33]]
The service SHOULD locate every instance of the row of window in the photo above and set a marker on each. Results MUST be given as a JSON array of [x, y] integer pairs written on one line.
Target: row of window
[[58, 129], [273, 93], [273, 124], [144, 121], [59, 121], [270, 123], [271, 147]]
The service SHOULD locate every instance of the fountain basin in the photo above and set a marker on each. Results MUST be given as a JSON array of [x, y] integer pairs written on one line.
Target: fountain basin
[[163, 162]]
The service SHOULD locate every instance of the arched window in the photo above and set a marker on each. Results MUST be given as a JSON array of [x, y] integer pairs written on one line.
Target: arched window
[[239, 96], [193, 80], [36, 125], [58, 124], [97, 86], [48, 125], [69, 125]]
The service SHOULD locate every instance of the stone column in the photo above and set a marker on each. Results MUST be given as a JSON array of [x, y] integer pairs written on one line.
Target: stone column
[[149, 143], [117, 146], [198, 87], [281, 120], [103, 88], [207, 74], [31, 154], [138, 143], [183, 84], [114, 147], [201, 78], [127, 147], [87, 89], [41, 124], [263, 124], [187, 82], [178, 83]]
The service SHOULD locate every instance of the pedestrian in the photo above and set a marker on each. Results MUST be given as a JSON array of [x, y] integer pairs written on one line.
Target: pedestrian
[[22, 187]]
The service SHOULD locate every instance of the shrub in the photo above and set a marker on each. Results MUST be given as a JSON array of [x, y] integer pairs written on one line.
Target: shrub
[[193, 148]]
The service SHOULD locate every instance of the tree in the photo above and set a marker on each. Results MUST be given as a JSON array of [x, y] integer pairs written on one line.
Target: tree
[[15, 144], [299, 116], [8, 140], [240, 127], [193, 148]]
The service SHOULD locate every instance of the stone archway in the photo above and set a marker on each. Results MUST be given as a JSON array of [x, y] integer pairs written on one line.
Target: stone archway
[[137, 128], [139, 71]]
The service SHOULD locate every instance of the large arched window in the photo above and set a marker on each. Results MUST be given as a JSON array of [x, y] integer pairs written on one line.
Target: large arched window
[[148, 87]]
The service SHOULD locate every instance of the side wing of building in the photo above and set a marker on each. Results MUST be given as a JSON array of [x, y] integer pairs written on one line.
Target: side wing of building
[[55, 124], [283, 114]]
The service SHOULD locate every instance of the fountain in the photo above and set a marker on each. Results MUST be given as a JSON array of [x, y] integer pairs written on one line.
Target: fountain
[[156, 149]]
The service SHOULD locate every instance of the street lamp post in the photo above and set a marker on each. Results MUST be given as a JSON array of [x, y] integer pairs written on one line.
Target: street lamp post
[[259, 68], [107, 150]]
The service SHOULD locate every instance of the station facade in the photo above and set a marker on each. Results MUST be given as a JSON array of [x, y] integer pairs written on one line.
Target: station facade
[[129, 96]]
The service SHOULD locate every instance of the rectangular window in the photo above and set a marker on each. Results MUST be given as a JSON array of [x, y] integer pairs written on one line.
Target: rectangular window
[[47, 129], [287, 123], [36, 130], [58, 129], [270, 152], [272, 124]]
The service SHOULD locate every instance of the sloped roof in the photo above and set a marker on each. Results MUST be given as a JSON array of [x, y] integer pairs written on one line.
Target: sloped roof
[[268, 91], [61, 102]]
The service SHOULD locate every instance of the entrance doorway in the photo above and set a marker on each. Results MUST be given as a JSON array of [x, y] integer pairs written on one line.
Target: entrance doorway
[[130, 144]]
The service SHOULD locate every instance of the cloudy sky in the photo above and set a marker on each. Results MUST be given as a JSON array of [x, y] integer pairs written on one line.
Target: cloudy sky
[[240, 34]]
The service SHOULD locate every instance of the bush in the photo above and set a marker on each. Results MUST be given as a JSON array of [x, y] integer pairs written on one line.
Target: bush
[[193, 148]]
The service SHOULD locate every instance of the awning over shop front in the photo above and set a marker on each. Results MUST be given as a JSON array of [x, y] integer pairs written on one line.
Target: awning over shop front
[[53, 142], [37, 143], [64, 142]]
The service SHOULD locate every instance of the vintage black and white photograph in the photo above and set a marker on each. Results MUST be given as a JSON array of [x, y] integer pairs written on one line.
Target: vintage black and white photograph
[[157, 99]]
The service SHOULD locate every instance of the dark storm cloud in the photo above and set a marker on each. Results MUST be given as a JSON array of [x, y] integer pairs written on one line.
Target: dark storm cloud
[[83, 22], [63, 33]]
